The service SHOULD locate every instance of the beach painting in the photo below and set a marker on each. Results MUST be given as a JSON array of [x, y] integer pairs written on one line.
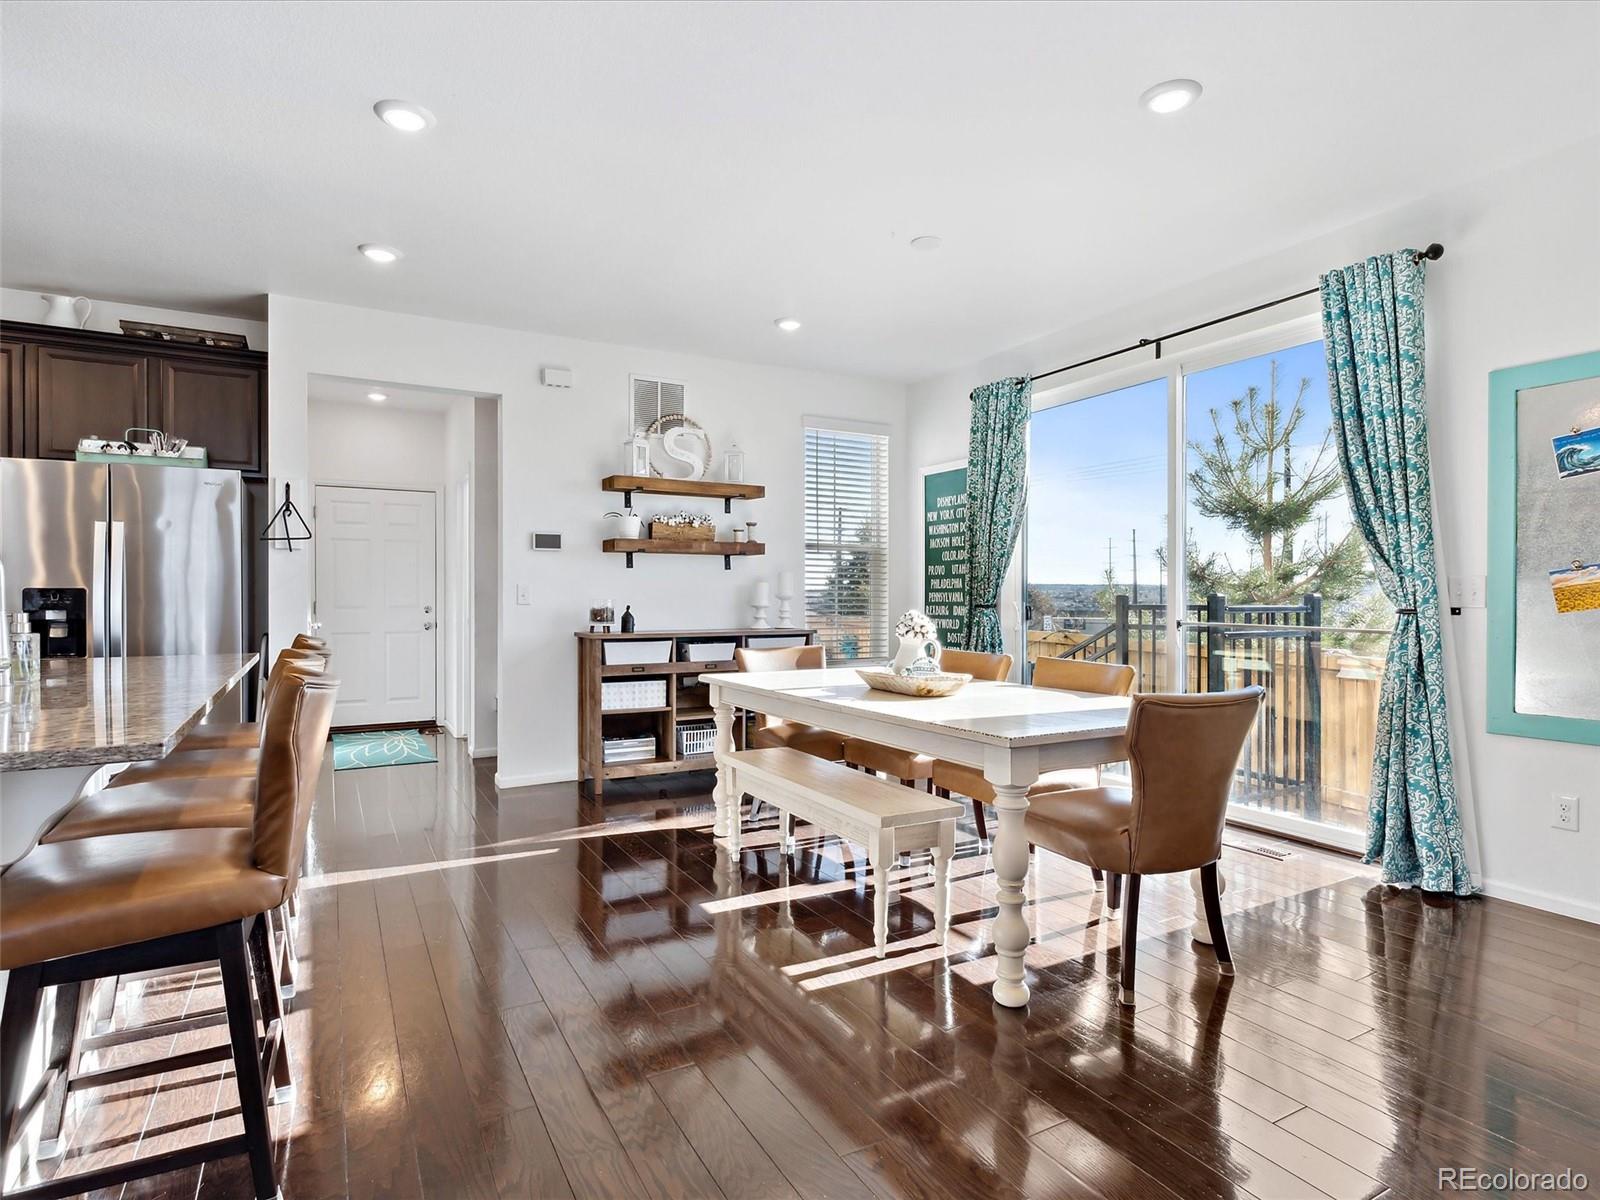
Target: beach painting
[[1576, 588], [1577, 453]]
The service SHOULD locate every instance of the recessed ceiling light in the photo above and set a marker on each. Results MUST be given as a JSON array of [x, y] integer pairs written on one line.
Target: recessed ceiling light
[[787, 324], [1170, 96], [377, 397], [379, 254], [403, 115], [926, 241]]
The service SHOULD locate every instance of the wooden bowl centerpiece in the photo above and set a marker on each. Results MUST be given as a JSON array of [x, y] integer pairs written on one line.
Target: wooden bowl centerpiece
[[943, 683]]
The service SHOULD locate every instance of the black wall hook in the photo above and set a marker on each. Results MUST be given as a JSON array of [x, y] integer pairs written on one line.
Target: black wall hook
[[282, 513]]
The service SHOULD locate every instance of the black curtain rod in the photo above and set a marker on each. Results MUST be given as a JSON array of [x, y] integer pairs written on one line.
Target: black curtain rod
[[1434, 252]]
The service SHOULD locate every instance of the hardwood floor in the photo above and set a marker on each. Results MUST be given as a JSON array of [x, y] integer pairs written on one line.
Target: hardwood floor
[[528, 994]]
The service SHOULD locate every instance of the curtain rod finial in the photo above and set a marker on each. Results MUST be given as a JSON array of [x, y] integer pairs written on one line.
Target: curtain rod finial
[[1433, 253]]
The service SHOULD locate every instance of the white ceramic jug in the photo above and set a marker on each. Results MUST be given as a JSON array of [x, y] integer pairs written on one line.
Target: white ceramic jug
[[63, 310]]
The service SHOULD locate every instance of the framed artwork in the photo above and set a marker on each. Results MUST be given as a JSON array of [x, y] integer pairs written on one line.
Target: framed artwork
[[1544, 550], [944, 550]]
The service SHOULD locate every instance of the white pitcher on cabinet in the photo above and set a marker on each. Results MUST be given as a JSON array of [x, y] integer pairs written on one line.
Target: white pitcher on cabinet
[[63, 310]]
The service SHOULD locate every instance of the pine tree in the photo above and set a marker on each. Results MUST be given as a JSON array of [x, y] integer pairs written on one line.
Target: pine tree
[[1249, 478]]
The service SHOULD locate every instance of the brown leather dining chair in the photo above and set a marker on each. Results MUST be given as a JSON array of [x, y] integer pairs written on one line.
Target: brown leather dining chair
[[771, 732], [1182, 754], [1067, 674], [79, 910], [909, 767]]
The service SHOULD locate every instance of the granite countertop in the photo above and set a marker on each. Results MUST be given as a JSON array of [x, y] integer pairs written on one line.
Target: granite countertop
[[89, 711]]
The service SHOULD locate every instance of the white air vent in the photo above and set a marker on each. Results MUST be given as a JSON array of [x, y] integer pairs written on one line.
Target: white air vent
[[654, 398]]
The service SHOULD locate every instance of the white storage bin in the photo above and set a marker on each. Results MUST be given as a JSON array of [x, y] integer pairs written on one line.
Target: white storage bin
[[696, 739], [777, 642], [628, 652], [633, 693], [709, 652]]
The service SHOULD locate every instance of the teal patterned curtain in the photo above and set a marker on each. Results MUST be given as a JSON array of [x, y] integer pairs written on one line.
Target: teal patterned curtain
[[997, 491], [1372, 328]]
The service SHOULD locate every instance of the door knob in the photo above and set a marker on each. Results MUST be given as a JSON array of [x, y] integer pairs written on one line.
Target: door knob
[[427, 624]]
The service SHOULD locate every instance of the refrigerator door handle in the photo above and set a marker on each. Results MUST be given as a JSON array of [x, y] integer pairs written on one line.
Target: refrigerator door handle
[[118, 622], [99, 600]]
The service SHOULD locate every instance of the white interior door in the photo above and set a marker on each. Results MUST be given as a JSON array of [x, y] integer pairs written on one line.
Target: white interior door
[[376, 600]]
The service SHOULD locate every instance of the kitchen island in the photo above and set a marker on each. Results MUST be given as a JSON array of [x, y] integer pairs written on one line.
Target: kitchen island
[[84, 714]]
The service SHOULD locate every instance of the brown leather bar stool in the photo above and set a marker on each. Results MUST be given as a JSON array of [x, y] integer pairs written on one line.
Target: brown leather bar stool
[[1182, 753], [772, 732], [80, 910], [230, 752], [192, 801], [909, 767], [1069, 675]]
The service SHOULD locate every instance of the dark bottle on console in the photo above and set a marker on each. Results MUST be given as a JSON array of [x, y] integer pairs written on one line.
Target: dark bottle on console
[[627, 619]]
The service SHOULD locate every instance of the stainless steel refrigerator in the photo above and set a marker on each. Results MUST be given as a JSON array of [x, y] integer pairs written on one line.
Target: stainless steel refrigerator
[[152, 555]]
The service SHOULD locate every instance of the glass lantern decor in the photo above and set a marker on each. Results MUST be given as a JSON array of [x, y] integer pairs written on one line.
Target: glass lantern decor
[[636, 455], [733, 464]]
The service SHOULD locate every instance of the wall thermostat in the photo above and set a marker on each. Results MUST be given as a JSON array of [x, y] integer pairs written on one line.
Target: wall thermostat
[[547, 541]]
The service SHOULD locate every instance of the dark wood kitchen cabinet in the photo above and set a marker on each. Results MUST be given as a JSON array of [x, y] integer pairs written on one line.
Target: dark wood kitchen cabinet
[[11, 356], [76, 392], [215, 405], [65, 384]]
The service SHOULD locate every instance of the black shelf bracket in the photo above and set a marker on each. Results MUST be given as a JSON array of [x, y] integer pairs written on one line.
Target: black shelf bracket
[[629, 557], [627, 497], [727, 504], [727, 562]]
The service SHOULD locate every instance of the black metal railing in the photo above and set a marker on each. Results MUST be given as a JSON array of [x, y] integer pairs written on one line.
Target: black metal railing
[[1278, 646]]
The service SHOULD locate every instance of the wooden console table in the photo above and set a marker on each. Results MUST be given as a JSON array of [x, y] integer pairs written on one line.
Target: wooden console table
[[685, 698]]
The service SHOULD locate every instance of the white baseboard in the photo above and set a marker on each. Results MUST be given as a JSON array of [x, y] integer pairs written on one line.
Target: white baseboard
[[1566, 906], [482, 752], [502, 780]]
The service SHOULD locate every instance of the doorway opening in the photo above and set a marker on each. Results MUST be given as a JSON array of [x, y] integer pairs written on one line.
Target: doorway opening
[[405, 518]]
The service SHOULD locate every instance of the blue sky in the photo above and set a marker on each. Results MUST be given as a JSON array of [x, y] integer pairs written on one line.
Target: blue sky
[[1099, 468]]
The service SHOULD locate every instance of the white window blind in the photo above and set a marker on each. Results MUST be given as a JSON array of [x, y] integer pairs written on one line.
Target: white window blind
[[847, 541]]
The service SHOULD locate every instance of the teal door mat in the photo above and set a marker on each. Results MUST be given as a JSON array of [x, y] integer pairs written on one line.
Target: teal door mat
[[382, 748]]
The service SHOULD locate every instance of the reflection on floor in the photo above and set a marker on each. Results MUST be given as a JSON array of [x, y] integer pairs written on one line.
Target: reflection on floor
[[527, 994]]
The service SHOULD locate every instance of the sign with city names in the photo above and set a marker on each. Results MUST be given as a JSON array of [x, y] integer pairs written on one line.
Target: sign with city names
[[944, 571]]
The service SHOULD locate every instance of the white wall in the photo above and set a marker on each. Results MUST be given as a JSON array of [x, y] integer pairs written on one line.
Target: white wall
[[19, 305], [555, 445], [373, 444], [1520, 282], [485, 575]]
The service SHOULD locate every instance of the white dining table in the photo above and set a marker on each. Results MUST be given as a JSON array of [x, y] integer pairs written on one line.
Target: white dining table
[[1011, 732]]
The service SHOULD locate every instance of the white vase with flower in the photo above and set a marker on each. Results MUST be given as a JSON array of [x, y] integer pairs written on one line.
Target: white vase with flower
[[919, 648]]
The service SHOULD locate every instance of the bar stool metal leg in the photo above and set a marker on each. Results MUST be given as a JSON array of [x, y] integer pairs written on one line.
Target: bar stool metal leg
[[246, 1058]]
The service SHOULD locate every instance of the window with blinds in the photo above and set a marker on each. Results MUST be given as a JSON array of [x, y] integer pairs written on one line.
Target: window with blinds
[[847, 541]]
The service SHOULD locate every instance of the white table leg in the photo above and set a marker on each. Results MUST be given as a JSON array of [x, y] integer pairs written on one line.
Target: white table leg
[[1011, 874], [1201, 929], [786, 825], [942, 854], [883, 857], [724, 798]]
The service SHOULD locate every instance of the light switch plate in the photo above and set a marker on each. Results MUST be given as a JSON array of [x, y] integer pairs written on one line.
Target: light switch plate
[[524, 594], [1466, 591]]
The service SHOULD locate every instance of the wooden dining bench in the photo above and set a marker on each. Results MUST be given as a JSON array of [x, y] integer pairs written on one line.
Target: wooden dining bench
[[883, 817]]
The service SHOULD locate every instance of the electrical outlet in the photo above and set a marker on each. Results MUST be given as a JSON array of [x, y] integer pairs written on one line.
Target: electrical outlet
[[1566, 815], [524, 594]]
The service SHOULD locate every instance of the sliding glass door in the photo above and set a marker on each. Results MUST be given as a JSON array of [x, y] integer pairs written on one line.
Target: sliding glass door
[[1226, 463]]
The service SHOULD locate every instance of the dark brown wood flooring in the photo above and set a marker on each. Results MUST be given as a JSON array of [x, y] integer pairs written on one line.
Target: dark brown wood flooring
[[528, 994]]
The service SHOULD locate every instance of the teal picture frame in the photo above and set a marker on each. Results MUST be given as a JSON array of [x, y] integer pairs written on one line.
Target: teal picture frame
[[1504, 385]]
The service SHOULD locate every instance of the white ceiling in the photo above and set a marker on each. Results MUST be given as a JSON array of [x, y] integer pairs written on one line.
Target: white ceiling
[[679, 175], [331, 389]]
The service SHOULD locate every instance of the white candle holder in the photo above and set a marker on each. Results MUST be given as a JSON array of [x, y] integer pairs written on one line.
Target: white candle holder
[[760, 601], [785, 594]]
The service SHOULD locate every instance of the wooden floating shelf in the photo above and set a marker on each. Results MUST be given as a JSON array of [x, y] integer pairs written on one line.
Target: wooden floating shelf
[[727, 551], [704, 489]]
